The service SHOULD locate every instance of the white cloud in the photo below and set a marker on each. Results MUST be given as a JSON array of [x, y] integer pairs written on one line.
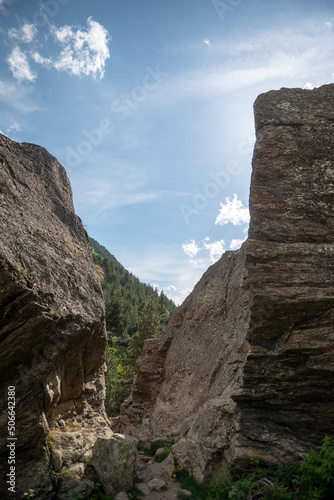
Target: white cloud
[[15, 127], [84, 52], [309, 86], [233, 212], [19, 66], [207, 42], [26, 34], [45, 61], [216, 249], [329, 24], [190, 249], [236, 243], [208, 252]]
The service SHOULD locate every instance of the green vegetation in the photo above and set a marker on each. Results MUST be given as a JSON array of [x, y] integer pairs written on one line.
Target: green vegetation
[[97, 494], [312, 479], [166, 444], [162, 456], [29, 494], [134, 312]]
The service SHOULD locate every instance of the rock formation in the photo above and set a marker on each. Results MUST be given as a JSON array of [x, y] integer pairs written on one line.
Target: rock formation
[[246, 365], [52, 333]]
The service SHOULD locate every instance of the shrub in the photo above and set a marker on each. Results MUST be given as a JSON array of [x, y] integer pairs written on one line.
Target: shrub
[[312, 479], [315, 477]]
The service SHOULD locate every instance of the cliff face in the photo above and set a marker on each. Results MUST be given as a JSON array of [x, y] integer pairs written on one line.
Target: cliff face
[[246, 366], [52, 330]]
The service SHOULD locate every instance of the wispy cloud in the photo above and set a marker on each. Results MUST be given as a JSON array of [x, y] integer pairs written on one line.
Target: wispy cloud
[[4, 4], [19, 66], [103, 191], [26, 34], [18, 96], [14, 127], [207, 42], [276, 58], [45, 61], [232, 212]]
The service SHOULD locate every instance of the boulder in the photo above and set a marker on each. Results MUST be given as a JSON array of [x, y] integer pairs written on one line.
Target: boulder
[[143, 488], [121, 496], [114, 460], [157, 484], [52, 331], [186, 493]]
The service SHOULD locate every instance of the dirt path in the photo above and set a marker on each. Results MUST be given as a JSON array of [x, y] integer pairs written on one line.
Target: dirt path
[[158, 483]]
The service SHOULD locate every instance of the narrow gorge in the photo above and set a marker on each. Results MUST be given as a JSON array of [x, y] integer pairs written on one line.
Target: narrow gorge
[[245, 367]]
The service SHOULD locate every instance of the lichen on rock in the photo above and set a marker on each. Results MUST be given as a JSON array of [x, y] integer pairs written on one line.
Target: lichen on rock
[[114, 460]]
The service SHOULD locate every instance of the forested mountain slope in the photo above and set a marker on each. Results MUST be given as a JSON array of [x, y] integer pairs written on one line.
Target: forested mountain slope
[[125, 295], [134, 312]]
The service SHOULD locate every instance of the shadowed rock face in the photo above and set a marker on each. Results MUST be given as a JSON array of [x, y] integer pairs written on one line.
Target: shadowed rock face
[[246, 366], [287, 399], [52, 330]]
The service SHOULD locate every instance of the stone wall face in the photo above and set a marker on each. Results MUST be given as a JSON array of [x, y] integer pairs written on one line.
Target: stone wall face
[[52, 330], [246, 366], [198, 367], [287, 402]]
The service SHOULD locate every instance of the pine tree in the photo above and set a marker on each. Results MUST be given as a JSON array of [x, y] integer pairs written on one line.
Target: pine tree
[[149, 327]]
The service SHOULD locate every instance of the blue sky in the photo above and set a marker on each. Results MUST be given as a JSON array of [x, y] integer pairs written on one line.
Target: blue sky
[[149, 106]]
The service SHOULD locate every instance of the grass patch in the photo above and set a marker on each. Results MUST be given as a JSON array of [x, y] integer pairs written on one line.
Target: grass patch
[[154, 447], [188, 482], [162, 456], [311, 479]]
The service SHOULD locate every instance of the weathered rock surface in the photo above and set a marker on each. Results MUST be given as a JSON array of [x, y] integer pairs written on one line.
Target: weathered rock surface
[[246, 366], [52, 330], [157, 479], [114, 460]]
